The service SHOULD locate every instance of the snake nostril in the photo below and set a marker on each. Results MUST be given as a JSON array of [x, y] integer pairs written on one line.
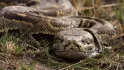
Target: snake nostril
[[72, 48]]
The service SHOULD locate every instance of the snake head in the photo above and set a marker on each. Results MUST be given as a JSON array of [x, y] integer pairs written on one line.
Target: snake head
[[74, 44]]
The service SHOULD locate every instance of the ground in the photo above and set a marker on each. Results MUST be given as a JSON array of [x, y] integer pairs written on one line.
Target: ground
[[17, 57]]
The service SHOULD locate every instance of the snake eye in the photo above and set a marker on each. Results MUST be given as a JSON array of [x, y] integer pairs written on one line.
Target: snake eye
[[61, 40], [83, 41]]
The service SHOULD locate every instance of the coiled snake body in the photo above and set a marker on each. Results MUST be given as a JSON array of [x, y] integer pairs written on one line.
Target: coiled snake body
[[75, 37]]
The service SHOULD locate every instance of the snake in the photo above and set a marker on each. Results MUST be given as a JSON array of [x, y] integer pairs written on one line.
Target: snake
[[74, 37]]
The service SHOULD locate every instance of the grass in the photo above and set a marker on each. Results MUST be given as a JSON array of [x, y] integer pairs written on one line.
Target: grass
[[15, 56], [20, 58]]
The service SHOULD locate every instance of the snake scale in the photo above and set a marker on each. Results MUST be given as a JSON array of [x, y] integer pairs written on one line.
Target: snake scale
[[75, 37]]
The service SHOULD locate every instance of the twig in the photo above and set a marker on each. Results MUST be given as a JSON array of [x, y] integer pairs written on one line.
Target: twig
[[118, 36], [117, 66], [104, 6], [71, 65], [94, 7]]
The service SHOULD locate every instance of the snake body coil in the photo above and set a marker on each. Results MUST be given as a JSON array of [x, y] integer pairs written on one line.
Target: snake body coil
[[74, 35]]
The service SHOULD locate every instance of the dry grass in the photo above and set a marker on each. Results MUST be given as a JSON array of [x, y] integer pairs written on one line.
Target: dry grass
[[17, 57]]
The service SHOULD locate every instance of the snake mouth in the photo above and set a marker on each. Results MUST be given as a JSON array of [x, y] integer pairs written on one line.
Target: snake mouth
[[72, 50], [72, 45]]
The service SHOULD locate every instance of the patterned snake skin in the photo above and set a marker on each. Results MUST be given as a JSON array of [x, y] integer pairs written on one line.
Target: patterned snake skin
[[75, 37]]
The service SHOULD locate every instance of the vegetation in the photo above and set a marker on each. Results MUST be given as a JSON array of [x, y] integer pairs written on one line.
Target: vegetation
[[13, 56]]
